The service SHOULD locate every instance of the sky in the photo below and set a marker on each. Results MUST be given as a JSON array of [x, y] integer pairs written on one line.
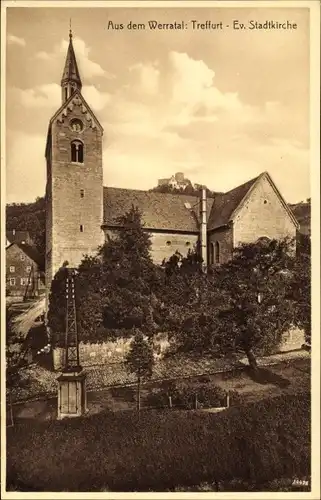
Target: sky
[[222, 106]]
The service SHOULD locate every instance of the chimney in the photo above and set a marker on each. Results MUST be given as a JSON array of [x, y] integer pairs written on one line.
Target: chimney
[[203, 229]]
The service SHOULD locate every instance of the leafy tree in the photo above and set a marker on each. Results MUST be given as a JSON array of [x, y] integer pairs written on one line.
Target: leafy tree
[[300, 293], [115, 290], [140, 361], [190, 300], [29, 217], [255, 287]]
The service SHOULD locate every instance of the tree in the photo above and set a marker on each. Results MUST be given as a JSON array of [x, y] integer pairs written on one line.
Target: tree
[[255, 287], [140, 361], [300, 293], [14, 364], [115, 290], [190, 300]]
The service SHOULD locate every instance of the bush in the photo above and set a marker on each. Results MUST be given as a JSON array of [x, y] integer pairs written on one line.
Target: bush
[[184, 396], [159, 451]]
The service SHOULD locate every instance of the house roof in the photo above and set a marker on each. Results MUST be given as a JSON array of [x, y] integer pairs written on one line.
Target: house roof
[[226, 203], [160, 211], [18, 236], [31, 252]]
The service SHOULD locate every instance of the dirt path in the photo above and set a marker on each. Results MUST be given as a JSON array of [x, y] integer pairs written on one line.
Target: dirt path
[[287, 376]]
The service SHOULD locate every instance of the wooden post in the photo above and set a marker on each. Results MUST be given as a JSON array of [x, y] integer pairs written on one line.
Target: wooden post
[[227, 400], [196, 402], [170, 402]]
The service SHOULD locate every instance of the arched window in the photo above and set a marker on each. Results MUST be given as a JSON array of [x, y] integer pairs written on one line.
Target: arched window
[[217, 252], [77, 152], [212, 253]]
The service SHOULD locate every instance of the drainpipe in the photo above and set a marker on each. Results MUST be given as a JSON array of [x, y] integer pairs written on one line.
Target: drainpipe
[[203, 231]]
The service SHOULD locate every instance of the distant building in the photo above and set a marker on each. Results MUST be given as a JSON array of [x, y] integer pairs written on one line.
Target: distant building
[[24, 271], [177, 181]]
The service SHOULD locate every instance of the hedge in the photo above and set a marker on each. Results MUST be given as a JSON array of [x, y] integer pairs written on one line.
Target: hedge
[[255, 443]]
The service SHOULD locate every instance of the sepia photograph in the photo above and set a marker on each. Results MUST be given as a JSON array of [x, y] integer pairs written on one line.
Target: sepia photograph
[[159, 245]]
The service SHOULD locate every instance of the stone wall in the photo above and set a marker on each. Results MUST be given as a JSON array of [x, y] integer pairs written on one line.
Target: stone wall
[[114, 352], [263, 215], [164, 245], [108, 352]]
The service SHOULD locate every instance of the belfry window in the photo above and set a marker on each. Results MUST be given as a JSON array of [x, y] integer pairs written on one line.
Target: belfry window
[[77, 152]]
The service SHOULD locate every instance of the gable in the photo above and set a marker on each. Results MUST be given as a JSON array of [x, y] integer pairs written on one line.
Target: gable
[[160, 211], [264, 189], [14, 250], [76, 99], [263, 213]]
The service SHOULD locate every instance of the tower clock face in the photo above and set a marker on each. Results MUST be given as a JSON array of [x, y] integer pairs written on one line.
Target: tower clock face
[[76, 125]]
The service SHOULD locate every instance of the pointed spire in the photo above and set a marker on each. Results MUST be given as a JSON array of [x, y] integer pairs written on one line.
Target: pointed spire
[[70, 77]]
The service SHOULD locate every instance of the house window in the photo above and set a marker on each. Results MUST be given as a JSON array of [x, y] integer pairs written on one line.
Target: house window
[[22, 257], [81, 228], [82, 193], [12, 269], [217, 252], [77, 152], [168, 243], [23, 281], [28, 269], [12, 281]]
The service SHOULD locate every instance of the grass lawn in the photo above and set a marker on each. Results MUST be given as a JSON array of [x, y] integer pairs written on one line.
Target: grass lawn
[[162, 450]]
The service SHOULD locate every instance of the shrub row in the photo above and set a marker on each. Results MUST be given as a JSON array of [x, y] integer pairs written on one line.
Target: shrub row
[[254, 443], [182, 395]]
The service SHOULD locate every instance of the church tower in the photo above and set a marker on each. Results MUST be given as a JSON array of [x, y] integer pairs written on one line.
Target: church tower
[[74, 191]]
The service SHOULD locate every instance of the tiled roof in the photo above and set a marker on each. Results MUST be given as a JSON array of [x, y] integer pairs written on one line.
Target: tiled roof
[[162, 211], [225, 204], [18, 236]]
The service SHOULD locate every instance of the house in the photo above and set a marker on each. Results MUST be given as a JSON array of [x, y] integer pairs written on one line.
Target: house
[[14, 236], [24, 271]]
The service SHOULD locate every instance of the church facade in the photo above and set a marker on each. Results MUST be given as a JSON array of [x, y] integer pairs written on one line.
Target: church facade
[[81, 213]]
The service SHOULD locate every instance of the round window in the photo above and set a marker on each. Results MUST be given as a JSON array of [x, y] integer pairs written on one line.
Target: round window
[[76, 125]]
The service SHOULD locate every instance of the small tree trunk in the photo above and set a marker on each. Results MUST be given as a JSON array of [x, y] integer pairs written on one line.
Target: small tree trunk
[[138, 394], [251, 358]]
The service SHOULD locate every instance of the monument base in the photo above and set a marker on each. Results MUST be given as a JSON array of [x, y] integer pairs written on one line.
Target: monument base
[[72, 397]]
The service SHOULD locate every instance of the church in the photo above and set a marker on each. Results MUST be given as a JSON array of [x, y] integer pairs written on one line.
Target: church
[[81, 212]]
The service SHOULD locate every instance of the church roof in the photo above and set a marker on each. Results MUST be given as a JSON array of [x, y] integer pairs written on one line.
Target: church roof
[[71, 71], [179, 212], [226, 203], [160, 211]]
